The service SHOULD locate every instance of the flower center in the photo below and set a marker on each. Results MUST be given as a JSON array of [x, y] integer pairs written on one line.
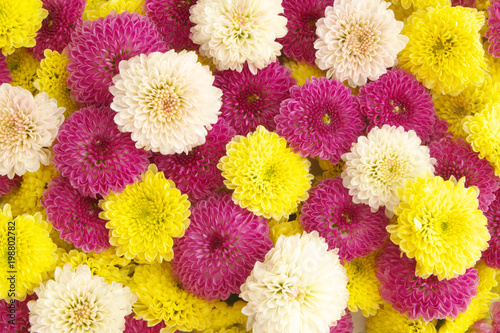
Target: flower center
[[359, 40], [236, 20], [217, 242], [442, 48], [14, 128], [391, 170], [80, 314], [326, 119], [100, 149], [166, 104]]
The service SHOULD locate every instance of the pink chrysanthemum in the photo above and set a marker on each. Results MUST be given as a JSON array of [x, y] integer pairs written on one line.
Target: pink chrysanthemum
[[141, 326], [301, 25], [196, 173], [397, 98], [7, 184], [94, 155], [492, 254], [14, 317], [56, 30], [97, 47], [415, 296], [464, 3], [75, 215], [493, 31], [171, 18], [220, 248], [320, 119], [344, 325], [4, 70], [351, 227], [250, 100]]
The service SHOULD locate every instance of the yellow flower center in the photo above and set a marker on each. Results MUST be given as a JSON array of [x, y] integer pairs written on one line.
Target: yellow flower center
[[360, 40], [166, 104], [237, 21], [14, 128], [80, 314], [326, 119], [390, 170]]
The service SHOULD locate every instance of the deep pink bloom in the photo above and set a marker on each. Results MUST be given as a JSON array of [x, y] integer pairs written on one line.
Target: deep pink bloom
[[250, 100], [7, 184], [456, 158], [491, 255], [344, 325], [94, 155], [350, 227], [4, 70], [14, 317], [141, 326], [416, 296], [397, 98], [196, 173], [55, 33], [464, 3], [493, 31], [220, 248], [97, 47]]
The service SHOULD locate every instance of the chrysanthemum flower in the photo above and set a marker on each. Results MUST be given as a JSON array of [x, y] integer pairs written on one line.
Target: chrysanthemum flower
[[133, 325], [14, 315], [457, 159], [320, 119], [344, 325], [444, 51], [439, 224], [464, 3], [20, 22], [102, 8], [166, 100], [301, 71], [350, 227], [493, 31], [236, 32], [23, 68], [145, 217], [388, 320], [5, 76], [397, 98], [28, 125], [492, 254], [300, 286], [420, 4], [440, 130], [29, 253], [286, 228], [266, 176], [220, 248], [97, 47], [224, 316], [329, 170], [7, 184], [358, 40], [380, 162], [77, 301], [171, 17], [55, 33]]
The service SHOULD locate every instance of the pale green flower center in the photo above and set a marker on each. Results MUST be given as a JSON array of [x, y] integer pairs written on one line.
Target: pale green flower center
[[81, 313]]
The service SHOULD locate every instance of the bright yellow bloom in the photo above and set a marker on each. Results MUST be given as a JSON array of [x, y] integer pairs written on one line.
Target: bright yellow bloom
[[420, 4], [268, 178], [388, 320], [226, 318], [101, 8], [329, 170], [444, 51], [23, 68], [145, 217], [287, 228], [400, 13], [302, 71], [440, 225]]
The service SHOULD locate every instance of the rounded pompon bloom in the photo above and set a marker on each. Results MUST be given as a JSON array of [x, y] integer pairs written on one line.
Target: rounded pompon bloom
[[133, 325], [388, 320], [28, 125], [358, 40], [286, 228], [166, 100], [266, 176], [236, 32], [350, 227], [444, 51], [418, 297], [493, 31], [320, 119], [97, 47], [76, 301], [5, 76], [94, 155], [492, 254], [7, 184], [301, 285], [145, 216], [14, 315], [220, 248], [249, 100], [196, 173], [380, 162], [398, 99], [23, 68], [439, 224], [301, 71]]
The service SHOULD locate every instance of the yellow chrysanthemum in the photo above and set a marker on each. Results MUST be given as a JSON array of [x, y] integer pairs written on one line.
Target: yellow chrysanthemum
[[51, 78], [444, 51], [400, 12], [287, 228], [23, 68], [66, 247], [101, 8], [483, 134], [161, 298], [420, 4], [363, 285], [440, 225], [268, 178], [146, 216], [226, 318], [20, 20], [388, 320], [302, 71], [329, 170], [28, 253]]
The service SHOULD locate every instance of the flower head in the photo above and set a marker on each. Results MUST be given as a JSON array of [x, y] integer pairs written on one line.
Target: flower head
[[492, 254], [388, 320], [102, 8], [14, 315], [23, 68], [286, 228], [301, 71], [224, 316]]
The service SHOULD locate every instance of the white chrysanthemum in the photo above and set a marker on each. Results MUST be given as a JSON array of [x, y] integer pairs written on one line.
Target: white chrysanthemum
[[166, 100], [358, 40], [79, 302], [233, 32], [380, 162], [300, 287], [28, 125]]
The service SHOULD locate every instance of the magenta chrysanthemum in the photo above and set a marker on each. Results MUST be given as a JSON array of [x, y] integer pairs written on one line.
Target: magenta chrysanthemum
[[456, 158], [220, 248], [4, 70], [196, 173], [320, 119], [97, 47], [250, 100], [301, 25], [75, 215], [351, 227], [171, 18], [56, 30], [7, 184], [141, 326], [398, 99], [14, 317], [464, 3], [94, 155], [344, 325], [492, 254], [415, 296], [493, 31]]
